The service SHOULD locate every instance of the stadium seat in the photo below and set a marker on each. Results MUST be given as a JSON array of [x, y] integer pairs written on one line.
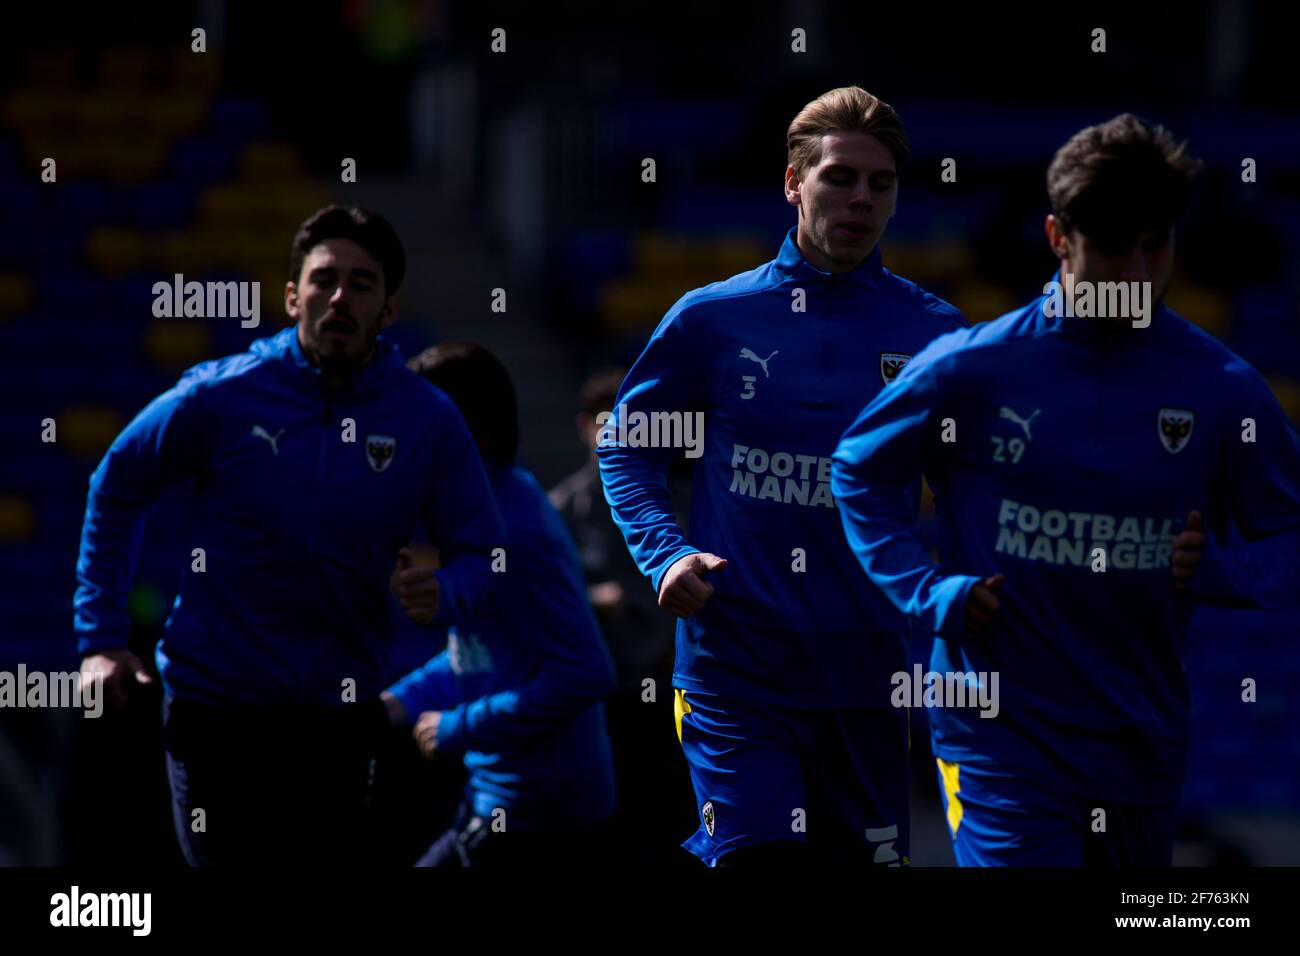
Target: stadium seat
[[176, 344], [86, 430], [16, 293], [17, 519]]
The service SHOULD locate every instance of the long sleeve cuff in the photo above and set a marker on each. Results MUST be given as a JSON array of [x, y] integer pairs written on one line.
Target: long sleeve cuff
[[948, 602], [676, 555], [452, 729]]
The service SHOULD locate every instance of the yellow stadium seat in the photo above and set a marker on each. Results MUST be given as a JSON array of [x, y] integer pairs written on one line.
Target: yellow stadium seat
[[733, 254], [128, 163], [179, 252], [637, 302], [131, 67], [983, 301], [115, 251], [86, 431], [194, 72], [655, 251], [17, 519], [15, 293], [270, 161], [177, 112], [944, 261], [176, 344], [1287, 391], [227, 203], [30, 110], [1200, 306]]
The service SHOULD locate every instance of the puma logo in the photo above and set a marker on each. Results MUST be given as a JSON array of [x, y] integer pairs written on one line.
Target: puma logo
[[1005, 412], [747, 354], [260, 432]]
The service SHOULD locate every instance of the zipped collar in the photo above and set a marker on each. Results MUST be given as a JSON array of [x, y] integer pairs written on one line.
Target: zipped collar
[[791, 264], [284, 347], [1099, 332]]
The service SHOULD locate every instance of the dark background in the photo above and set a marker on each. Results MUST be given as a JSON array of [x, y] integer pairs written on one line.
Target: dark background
[[522, 171]]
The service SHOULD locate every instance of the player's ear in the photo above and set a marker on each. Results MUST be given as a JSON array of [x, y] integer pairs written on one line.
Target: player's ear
[[291, 307], [1056, 236], [389, 315], [791, 186]]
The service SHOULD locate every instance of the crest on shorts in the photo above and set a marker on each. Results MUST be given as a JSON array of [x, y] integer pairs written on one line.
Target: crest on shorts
[[706, 812], [891, 363], [379, 451], [1175, 428]]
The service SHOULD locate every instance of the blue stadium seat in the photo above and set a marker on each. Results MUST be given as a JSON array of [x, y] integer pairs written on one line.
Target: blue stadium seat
[[204, 159], [86, 202], [238, 118], [159, 205], [63, 291]]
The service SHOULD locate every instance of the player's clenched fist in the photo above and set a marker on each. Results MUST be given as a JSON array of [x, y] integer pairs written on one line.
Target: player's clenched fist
[[426, 732], [1188, 547], [416, 588], [982, 604], [683, 590], [119, 670]]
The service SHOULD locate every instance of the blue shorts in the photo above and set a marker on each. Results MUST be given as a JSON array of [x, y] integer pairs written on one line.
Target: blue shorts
[[835, 779], [1000, 817]]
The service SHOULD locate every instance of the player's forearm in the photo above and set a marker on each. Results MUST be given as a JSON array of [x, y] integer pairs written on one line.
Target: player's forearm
[[574, 670], [469, 550], [464, 523], [636, 488], [110, 545], [507, 719], [465, 585], [433, 686], [872, 478], [891, 549], [159, 448]]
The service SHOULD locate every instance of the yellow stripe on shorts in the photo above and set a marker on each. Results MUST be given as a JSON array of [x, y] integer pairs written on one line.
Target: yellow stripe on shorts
[[951, 787], [680, 709]]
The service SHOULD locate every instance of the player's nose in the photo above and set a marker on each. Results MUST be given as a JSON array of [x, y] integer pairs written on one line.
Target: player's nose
[[861, 197]]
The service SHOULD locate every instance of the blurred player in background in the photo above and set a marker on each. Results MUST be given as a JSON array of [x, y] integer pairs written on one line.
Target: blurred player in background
[[1087, 470], [655, 800], [312, 458], [517, 693], [785, 650]]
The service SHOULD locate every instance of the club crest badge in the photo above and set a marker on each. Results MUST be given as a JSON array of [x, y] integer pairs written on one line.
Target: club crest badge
[[379, 451], [1175, 428], [706, 812], [891, 363]]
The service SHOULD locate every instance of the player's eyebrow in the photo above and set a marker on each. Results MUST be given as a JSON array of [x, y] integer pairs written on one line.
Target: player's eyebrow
[[846, 168], [360, 272]]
